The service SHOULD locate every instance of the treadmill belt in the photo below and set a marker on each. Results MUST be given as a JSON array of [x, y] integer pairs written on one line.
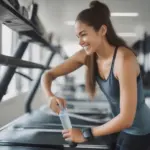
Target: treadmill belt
[[39, 118], [42, 131], [36, 136], [23, 148], [37, 148]]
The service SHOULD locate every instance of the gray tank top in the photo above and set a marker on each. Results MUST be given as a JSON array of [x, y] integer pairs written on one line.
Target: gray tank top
[[110, 87]]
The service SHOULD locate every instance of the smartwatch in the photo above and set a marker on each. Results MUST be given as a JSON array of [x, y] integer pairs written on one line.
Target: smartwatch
[[87, 134]]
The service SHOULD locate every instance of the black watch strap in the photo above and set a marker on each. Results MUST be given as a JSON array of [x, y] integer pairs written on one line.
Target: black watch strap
[[87, 134]]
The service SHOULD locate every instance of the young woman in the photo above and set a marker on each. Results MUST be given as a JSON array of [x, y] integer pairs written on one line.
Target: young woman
[[114, 66]]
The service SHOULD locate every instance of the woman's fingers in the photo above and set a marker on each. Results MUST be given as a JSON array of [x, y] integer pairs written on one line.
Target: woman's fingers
[[58, 102], [66, 134], [65, 104], [65, 131], [68, 139], [57, 109], [61, 102]]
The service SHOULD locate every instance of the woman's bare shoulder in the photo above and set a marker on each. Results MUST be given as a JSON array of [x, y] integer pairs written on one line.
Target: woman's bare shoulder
[[125, 55]]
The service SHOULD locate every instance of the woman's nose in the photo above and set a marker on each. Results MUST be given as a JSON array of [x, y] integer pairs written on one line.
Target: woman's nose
[[81, 42]]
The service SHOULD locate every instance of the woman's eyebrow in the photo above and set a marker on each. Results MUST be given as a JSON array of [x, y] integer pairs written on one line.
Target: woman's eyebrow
[[81, 32]]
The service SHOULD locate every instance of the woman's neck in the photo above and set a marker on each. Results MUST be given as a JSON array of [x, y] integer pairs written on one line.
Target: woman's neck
[[105, 51]]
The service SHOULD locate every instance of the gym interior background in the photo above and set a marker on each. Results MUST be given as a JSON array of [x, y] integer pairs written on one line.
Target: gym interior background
[[55, 20]]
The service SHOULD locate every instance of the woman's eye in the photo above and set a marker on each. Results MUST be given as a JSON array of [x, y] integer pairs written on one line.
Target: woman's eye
[[83, 35]]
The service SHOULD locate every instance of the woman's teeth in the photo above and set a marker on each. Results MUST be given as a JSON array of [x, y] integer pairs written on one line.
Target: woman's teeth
[[85, 47]]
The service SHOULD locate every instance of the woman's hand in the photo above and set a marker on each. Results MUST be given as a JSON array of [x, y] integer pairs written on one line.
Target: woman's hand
[[74, 135], [56, 102]]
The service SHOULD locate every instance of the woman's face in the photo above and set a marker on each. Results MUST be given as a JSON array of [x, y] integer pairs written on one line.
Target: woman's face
[[89, 39]]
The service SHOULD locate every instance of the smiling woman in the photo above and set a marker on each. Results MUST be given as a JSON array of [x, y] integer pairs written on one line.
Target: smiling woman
[[91, 29], [113, 65]]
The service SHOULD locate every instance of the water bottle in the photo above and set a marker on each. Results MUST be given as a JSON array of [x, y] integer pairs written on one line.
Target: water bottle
[[66, 123]]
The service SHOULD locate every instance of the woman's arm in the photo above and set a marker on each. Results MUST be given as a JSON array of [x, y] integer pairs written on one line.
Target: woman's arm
[[68, 66], [127, 77]]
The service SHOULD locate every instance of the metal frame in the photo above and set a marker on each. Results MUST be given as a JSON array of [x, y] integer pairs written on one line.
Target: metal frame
[[10, 71], [0, 38], [25, 28], [35, 86], [17, 62], [24, 75]]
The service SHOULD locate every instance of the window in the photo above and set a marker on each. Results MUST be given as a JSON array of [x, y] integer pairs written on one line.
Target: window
[[34, 53], [6, 49]]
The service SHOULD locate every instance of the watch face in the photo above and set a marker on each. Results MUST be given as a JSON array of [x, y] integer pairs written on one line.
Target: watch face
[[87, 134]]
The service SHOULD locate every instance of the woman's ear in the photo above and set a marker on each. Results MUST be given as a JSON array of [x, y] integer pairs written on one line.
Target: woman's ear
[[103, 30]]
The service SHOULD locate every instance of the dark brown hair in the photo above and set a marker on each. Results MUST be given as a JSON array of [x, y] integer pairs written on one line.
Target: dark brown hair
[[97, 15]]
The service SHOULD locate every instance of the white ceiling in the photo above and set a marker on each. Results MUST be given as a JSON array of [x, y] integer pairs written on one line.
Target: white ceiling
[[54, 13]]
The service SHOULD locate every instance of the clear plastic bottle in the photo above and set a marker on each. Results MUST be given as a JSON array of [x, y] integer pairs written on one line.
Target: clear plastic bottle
[[66, 123], [65, 120]]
